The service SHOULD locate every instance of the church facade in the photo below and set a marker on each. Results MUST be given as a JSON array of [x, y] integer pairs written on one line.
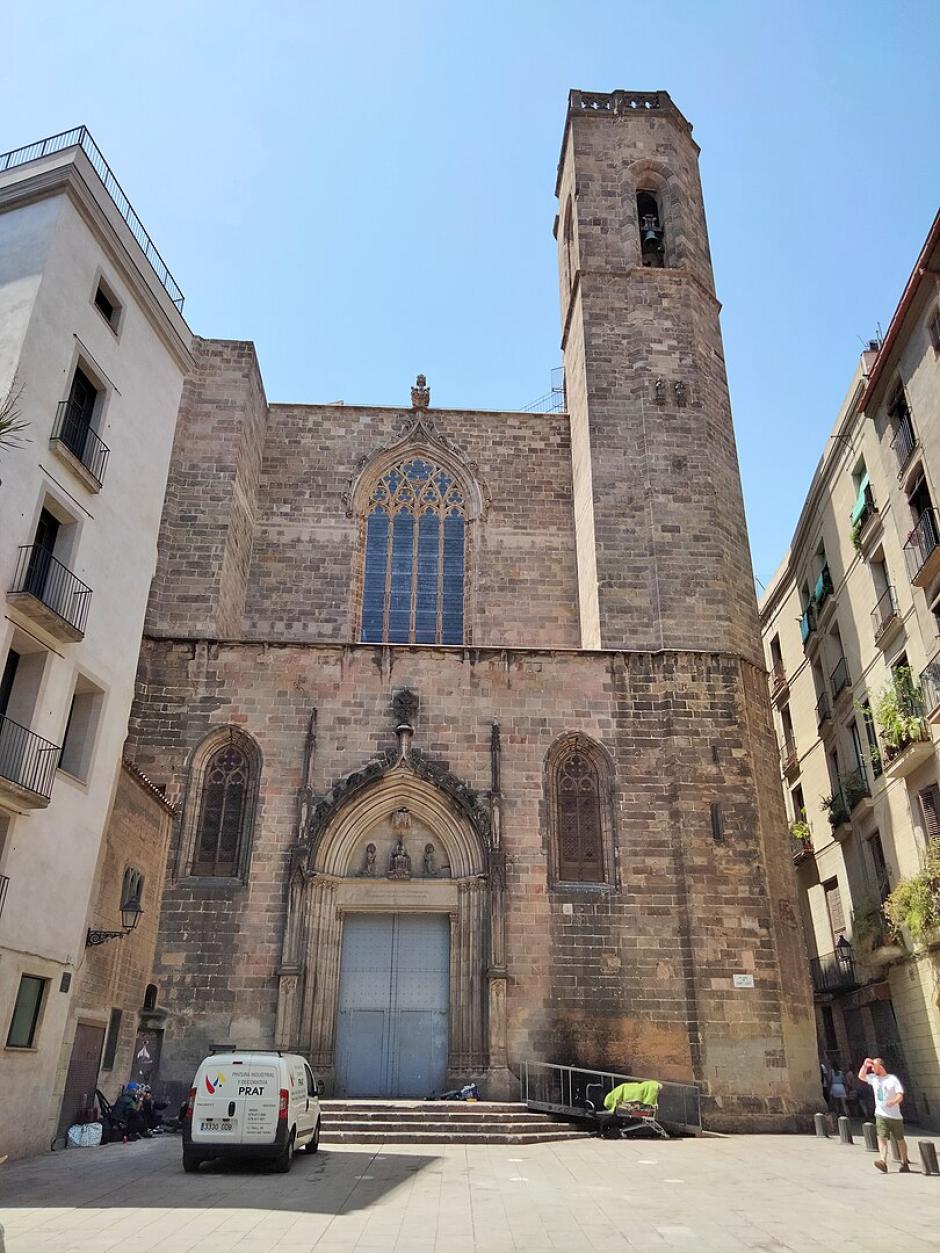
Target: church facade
[[465, 715]]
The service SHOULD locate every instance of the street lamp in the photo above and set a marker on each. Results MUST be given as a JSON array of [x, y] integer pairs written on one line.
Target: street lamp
[[130, 916], [845, 955]]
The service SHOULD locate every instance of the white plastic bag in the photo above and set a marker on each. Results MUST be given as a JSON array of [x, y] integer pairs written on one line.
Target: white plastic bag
[[85, 1135]]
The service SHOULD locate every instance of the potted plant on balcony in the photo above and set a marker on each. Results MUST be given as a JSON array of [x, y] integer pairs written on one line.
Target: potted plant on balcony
[[857, 532], [898, 712], [800, 830], [837, 809], [914, 904], [869, 935]]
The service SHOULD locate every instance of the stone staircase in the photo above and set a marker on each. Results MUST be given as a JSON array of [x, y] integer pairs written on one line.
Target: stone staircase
[[437, 1122]]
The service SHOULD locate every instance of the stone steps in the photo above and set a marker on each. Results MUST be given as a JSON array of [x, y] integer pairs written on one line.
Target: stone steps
[[440, 1122]]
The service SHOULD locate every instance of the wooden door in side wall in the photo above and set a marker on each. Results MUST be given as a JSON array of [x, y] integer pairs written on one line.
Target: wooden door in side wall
[[82, 1077]]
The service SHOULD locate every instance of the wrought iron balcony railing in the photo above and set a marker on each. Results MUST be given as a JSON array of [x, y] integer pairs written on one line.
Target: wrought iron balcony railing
[[53, 584], [73, 431], [833, 972], [823, 710], [778, 678], [807, 623], [904, 442], [839, 678], [789, 757], [923, 540], [930, 685], [79, 137], [885, 612], [4, 884], [27, 759]]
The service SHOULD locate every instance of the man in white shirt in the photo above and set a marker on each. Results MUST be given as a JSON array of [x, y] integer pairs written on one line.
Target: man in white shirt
[[889, 1124]]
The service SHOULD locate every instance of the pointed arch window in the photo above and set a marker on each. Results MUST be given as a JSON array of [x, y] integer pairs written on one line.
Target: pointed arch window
[[415, 556], [223, 811], [579, 796]]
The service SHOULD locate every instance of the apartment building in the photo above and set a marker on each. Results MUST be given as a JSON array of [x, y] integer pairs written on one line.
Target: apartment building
[[93, 352], [851, 630]]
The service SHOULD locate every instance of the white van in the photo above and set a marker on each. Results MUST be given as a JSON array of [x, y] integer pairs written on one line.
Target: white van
[[251, 1104]]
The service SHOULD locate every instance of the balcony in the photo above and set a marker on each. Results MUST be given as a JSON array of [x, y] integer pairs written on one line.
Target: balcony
[[50, 594], [823, 711], [863, 518], [802, 851], [834, 972], [27, 766], [885, 617], [930, 687], [808, 625], [922, 550], [904, 442], [75, 441], [4, 884], [839, 679], [856, 790], [822, 592], [778, 680], [910, 756], [789, 757]]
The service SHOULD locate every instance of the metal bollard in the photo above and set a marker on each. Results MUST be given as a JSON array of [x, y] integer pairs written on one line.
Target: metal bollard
[[928, 1157], [822, 1126], [871, 1136], [845, 1131]]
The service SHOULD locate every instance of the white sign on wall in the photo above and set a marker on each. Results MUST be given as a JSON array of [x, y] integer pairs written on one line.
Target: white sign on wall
[[743, 981]]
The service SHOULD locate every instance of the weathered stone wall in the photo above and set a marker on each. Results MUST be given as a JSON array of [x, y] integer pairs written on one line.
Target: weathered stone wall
[[638, 976], [209, 515], [647, 389], [115, 975]]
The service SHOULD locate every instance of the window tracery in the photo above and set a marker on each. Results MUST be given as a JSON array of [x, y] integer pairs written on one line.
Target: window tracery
[[415, 556], [578, 782], [224, 802]]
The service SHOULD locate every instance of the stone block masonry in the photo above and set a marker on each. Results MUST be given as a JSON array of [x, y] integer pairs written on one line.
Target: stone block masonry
[[637, 973]]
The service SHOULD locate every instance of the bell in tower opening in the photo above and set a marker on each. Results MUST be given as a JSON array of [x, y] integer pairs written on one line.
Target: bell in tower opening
[[652, 236]]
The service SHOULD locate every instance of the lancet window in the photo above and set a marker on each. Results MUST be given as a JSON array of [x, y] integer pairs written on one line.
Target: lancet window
[[415, 556], [223, 811]]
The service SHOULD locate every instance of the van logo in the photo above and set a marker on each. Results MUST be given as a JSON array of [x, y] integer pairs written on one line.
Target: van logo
[[250, 1090], [211, 1087]]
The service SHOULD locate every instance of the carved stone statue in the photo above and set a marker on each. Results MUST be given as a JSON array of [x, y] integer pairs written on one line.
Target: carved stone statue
[[401, 821], [420, 393], [429, 870], [399, 863], [405, 706], [368, 868]]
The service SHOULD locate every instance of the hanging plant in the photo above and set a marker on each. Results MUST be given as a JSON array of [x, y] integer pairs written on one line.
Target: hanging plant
[[868, 926], [898, 711], [857, 535], [915, 903], [837, 808]]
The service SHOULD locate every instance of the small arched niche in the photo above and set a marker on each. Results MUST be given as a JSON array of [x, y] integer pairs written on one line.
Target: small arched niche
[[652, 233]]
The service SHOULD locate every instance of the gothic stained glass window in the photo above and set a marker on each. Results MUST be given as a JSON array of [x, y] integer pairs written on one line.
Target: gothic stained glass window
[[222, 813], [413, 576], [578, 798]]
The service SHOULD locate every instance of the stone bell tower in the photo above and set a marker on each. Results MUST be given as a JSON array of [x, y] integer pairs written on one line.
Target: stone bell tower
[[663, 557], [665, 583]]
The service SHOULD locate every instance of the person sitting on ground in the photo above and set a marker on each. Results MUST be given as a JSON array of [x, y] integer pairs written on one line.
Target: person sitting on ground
[[889, 1093], [126, 1113]]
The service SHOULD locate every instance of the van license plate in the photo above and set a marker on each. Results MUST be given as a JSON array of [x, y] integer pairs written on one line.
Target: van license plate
[[215, 1124]]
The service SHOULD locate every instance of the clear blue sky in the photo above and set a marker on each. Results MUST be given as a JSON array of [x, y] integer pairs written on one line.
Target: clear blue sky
[[366, 190]]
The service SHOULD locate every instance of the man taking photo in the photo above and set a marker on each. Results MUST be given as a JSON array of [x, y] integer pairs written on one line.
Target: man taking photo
[[889, 1124]]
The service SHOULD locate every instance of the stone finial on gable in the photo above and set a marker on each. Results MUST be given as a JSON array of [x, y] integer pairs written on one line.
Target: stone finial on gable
[[420, 393]]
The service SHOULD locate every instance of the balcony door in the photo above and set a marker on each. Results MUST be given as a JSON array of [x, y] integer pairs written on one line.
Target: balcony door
[[79, 412], [40, 560]]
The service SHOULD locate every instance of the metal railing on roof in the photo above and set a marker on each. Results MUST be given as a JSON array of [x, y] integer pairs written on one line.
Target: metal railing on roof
[[79, 137]]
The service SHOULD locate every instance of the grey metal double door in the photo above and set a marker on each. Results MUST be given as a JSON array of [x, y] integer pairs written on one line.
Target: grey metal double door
[[394, 988]]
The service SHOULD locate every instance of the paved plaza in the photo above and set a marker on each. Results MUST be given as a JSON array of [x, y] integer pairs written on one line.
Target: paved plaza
[[768, 1193]]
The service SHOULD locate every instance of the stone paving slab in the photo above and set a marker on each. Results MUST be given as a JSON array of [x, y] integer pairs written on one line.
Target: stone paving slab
[[766, 1194]]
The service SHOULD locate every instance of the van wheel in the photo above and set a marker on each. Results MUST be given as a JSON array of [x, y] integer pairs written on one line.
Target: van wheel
[[282, 1163], [190, 1163], [314, 1143]]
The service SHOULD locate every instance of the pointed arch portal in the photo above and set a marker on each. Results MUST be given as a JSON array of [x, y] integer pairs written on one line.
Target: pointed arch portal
[[386, 981]]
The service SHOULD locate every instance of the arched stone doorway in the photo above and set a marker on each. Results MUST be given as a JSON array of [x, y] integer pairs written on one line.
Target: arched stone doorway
[[398, 856]]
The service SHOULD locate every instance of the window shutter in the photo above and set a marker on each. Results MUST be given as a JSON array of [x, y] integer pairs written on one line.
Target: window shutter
[[836, 913], [930, 808]]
